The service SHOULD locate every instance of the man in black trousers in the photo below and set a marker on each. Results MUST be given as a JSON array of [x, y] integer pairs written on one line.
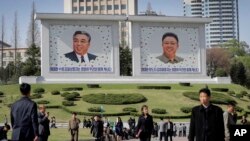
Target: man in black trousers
[[170, 128], [43, 120], [206, 120], [23, 115]]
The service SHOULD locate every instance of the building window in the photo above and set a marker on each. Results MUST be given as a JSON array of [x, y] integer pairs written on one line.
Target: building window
[[4, 55], [81, 8], [75, 9], [74, 0], [109, 7], [11, 54], [95, 8], [18, 54], [4, 63], [88, 0], [95, 0], [102, 7], [88, 8], [116, 7], [81, 0], [123, 6]]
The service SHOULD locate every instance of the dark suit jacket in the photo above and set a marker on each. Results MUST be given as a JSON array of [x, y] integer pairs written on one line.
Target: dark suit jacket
[[145, 125], [3, 134], [24, 120], [43, 125], [97, 129], [212, 129], [72, 56]]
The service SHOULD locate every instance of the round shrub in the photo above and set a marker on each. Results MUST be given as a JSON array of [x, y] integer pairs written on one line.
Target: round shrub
[[73, 89], [95, 109], [70, 97], [187, 84], [93, 86], [64, 94], [248, 96], [76, 94], [42, 102], [217, 98], [186, 109], [36, 96], [231, 92], [38, 90], [68, 103], [220, 89], [248, 107], [159, 111], [114, 99], [1, 93], [55, 92], [238, 109], [244, 93], [1, 101], [129, 109]]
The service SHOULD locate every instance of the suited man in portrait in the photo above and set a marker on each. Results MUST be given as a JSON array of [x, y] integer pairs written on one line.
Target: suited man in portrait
[[23, 115], [170, 45], [81, 44], [43, 120]]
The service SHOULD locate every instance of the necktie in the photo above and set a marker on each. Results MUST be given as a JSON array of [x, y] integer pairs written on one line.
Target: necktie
[[82, 59]]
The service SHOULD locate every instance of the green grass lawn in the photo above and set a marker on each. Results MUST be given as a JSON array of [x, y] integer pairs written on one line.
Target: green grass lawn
[[171, 100]]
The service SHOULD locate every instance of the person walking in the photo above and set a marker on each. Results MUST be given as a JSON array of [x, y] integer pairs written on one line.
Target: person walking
[[43, 120], [74, 127], [169, 130], [145, 125], [206, 122], [162, 129], [230, 118], [97, 128], [24, 118], [119, 129]]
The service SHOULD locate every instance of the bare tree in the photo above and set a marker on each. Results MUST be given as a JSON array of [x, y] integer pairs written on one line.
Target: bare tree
[[33, 31], [16, 39], [2, 39]]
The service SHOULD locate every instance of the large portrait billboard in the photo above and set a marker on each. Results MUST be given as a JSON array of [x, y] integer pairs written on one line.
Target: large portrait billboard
[[169, 49], [81, 48]]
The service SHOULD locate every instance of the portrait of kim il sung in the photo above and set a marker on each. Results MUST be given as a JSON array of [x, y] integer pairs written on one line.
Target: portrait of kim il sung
[[81, 45], [170, 45]]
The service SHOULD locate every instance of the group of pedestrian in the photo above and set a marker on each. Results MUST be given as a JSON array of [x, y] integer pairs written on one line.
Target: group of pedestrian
[[207, 123]]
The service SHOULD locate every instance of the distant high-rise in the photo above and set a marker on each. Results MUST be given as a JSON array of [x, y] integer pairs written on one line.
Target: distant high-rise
[[225, 25], [104, 7]]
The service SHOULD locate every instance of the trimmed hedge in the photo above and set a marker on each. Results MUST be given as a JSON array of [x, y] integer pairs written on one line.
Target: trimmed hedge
[[1, 93], [39, 90], [95, 109], [187, 84], [231, 92], [35, 96], [164, 116], [73, 89], [244, 93], [1, 101], [114, 99], [53, 106], [238, 109], [93, 86], [186, 109], [70, 97], [76, 94], [129, 109], [154, 87], [239, 95], [68, 103], [248, 107], [159, 111], [217, 98], [55, 92], [64, 94], [220, 89], [43, 102]]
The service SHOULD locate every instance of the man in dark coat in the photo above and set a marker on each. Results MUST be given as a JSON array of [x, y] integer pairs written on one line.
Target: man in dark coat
[[170, 127], [81, 44], [97, 128], [43, 120], [24, 119], [206, 120]]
